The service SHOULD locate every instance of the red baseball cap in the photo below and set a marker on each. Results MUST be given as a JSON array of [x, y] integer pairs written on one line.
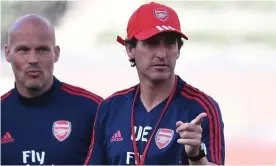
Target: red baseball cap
[[151, 19]]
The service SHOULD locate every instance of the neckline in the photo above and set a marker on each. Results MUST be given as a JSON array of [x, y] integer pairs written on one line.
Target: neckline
[[41, 99]]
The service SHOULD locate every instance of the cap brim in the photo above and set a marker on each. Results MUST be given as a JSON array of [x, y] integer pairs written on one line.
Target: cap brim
[[154, 31]]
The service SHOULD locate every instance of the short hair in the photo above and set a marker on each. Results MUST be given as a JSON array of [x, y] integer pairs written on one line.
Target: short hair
[[133, 43]]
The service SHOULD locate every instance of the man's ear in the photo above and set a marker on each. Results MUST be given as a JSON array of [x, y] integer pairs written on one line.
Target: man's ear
[[7, 53], [130, 51], [57, 53], [178, 54]]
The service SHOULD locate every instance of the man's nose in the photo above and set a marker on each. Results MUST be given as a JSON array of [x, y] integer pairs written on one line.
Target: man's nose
[[32, 58], [161, 50]]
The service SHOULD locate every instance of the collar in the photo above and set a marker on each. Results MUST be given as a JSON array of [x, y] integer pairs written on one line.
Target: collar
[[180, 86], [39, 100]]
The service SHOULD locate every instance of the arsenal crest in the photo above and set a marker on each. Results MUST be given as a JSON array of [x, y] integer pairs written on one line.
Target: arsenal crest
[[161, 15], [163, 137], [61, 129]]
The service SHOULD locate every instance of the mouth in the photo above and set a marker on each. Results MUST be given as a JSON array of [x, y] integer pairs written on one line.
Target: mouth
[[160, 66], [33, 73]]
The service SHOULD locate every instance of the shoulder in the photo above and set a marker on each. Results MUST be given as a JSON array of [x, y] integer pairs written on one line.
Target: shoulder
[[199, 101], [6, 96], [117, 98], [113, 102], [80, 94], [120, 95]]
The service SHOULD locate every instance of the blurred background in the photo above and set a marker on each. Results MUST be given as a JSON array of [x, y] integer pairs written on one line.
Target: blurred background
[[230, 55]]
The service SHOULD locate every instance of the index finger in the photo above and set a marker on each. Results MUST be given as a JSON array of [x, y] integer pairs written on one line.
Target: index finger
[[198, 120]]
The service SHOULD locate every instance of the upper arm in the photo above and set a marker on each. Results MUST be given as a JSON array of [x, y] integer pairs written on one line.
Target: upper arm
[[89, 117], [213, 132], [97, 153]]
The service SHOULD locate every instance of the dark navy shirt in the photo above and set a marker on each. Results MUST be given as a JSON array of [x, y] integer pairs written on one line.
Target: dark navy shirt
[[112, 140], [54, 128]]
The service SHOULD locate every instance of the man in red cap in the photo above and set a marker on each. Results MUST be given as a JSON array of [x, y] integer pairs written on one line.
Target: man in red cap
[[163, 120]]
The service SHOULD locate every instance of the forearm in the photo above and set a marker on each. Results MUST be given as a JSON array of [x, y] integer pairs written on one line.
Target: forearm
[[202, 161]]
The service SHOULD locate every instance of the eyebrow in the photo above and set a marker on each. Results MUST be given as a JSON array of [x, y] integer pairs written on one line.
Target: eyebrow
[[36, 47]]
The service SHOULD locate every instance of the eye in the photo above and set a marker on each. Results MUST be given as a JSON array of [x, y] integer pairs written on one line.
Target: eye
[[151, 42], [43, 49], [22, 49], [170, 41]]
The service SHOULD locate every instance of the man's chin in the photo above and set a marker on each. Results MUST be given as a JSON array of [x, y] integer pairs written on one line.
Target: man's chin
[[160, 77], [33, 85]]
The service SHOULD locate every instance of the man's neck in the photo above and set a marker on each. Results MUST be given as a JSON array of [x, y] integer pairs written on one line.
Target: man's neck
[[29, 93], [153, 94]]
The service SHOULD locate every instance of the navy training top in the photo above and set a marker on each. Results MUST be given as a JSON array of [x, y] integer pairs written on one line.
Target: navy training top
[[112, 141], [54, 128]]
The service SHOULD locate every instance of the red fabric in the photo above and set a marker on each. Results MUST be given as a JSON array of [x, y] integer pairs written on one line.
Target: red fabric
[[150, 19]]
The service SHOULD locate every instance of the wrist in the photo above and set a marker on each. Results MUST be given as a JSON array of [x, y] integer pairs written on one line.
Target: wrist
[[201, 152], [194, 153]]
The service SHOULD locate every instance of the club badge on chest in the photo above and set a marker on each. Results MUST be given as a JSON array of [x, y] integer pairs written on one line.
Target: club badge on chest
[[163, 137], [61, 129]]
